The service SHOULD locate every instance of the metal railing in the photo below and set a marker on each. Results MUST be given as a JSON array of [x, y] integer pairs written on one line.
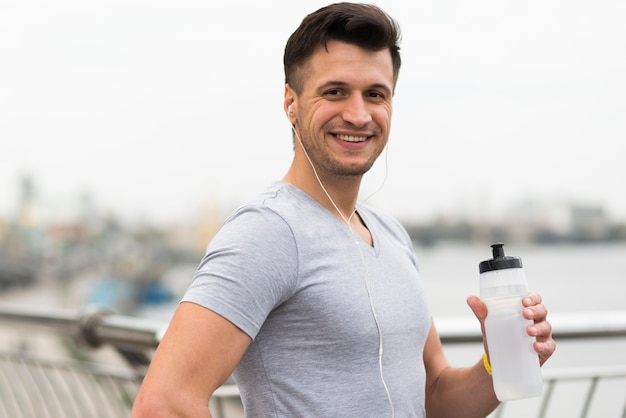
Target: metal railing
[[31, 387], [95, 326], [73, 386], [588, 326], [91, 326]]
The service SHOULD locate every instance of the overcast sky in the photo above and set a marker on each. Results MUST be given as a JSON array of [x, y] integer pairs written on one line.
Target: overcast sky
[[160, 108]]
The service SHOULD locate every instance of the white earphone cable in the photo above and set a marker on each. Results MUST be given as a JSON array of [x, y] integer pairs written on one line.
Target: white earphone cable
[[365, 269]]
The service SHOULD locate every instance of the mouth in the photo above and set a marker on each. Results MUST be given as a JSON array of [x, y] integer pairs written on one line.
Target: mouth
[[352, 138]]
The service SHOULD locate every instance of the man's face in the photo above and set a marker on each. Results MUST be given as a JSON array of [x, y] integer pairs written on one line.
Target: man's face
[[344, 109]]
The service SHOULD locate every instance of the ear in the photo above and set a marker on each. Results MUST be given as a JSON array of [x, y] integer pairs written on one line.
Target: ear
[[290, 103]]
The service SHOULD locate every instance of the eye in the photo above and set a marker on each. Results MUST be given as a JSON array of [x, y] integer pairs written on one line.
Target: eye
[[333, 92], [376, 95]]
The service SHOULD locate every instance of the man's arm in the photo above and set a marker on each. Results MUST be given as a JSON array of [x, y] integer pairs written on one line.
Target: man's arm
[[452, 390], [470, 390], [199, 351]]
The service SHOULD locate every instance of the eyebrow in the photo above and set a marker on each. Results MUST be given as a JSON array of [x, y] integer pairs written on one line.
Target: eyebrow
[[333, 83]]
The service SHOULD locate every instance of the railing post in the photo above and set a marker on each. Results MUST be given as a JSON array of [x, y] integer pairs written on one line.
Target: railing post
[[87, 323], [588, 399]]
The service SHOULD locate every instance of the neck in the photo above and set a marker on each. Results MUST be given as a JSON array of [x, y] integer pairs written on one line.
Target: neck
[[338, 194]]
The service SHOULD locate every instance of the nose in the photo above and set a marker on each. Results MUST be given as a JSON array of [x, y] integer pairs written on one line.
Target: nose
[[356, 111]]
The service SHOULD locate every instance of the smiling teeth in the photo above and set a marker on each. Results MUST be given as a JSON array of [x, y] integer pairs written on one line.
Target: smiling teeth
[[350, 138]]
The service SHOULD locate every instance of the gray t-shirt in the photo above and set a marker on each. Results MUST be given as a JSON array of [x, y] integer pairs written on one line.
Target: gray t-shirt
[[294, 278]]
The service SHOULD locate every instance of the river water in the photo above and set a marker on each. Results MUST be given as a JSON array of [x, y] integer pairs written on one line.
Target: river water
[[571, 278]]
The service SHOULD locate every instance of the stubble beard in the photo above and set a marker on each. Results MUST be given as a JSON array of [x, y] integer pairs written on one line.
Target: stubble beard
[[324, 160]]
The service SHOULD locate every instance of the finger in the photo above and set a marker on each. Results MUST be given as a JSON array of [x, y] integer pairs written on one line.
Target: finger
[[480, 310], [545, 350], [537, 313], [478, 307], [541, 330], [531, 299]]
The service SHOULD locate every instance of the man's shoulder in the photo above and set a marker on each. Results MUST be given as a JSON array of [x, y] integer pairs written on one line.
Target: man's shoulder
[[279, 209]]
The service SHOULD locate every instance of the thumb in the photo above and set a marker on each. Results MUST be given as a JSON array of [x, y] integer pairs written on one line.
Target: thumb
[[478, 307], [480, 310]]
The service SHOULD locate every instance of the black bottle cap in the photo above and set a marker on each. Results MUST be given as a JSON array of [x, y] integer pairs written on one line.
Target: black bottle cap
[[499, 260]]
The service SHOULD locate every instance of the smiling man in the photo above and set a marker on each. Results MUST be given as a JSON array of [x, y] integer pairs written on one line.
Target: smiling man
[[312, 301]]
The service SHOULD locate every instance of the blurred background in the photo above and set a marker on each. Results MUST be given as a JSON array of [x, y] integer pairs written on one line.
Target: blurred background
[[129, 130]]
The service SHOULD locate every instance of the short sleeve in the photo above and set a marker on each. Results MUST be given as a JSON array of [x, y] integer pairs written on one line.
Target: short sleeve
[[250, 267]]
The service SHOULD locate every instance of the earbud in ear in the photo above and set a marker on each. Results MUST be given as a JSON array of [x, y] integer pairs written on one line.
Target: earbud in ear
[[289, 111]]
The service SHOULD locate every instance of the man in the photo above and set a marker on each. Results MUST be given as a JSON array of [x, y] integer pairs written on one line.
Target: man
[[314, 302]]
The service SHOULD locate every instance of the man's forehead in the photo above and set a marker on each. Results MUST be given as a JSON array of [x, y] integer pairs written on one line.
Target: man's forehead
[[337, 62]]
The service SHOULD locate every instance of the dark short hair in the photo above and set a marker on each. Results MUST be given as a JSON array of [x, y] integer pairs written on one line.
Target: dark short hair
[[364, 25]]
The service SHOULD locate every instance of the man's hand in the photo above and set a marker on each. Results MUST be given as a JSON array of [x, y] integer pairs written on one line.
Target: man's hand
[[533, 310]]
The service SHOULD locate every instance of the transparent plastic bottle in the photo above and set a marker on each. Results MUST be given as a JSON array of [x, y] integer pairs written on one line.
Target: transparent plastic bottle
[[514, 362]]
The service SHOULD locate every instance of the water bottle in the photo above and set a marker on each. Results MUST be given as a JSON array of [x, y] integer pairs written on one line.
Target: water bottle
[[514, 362]]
